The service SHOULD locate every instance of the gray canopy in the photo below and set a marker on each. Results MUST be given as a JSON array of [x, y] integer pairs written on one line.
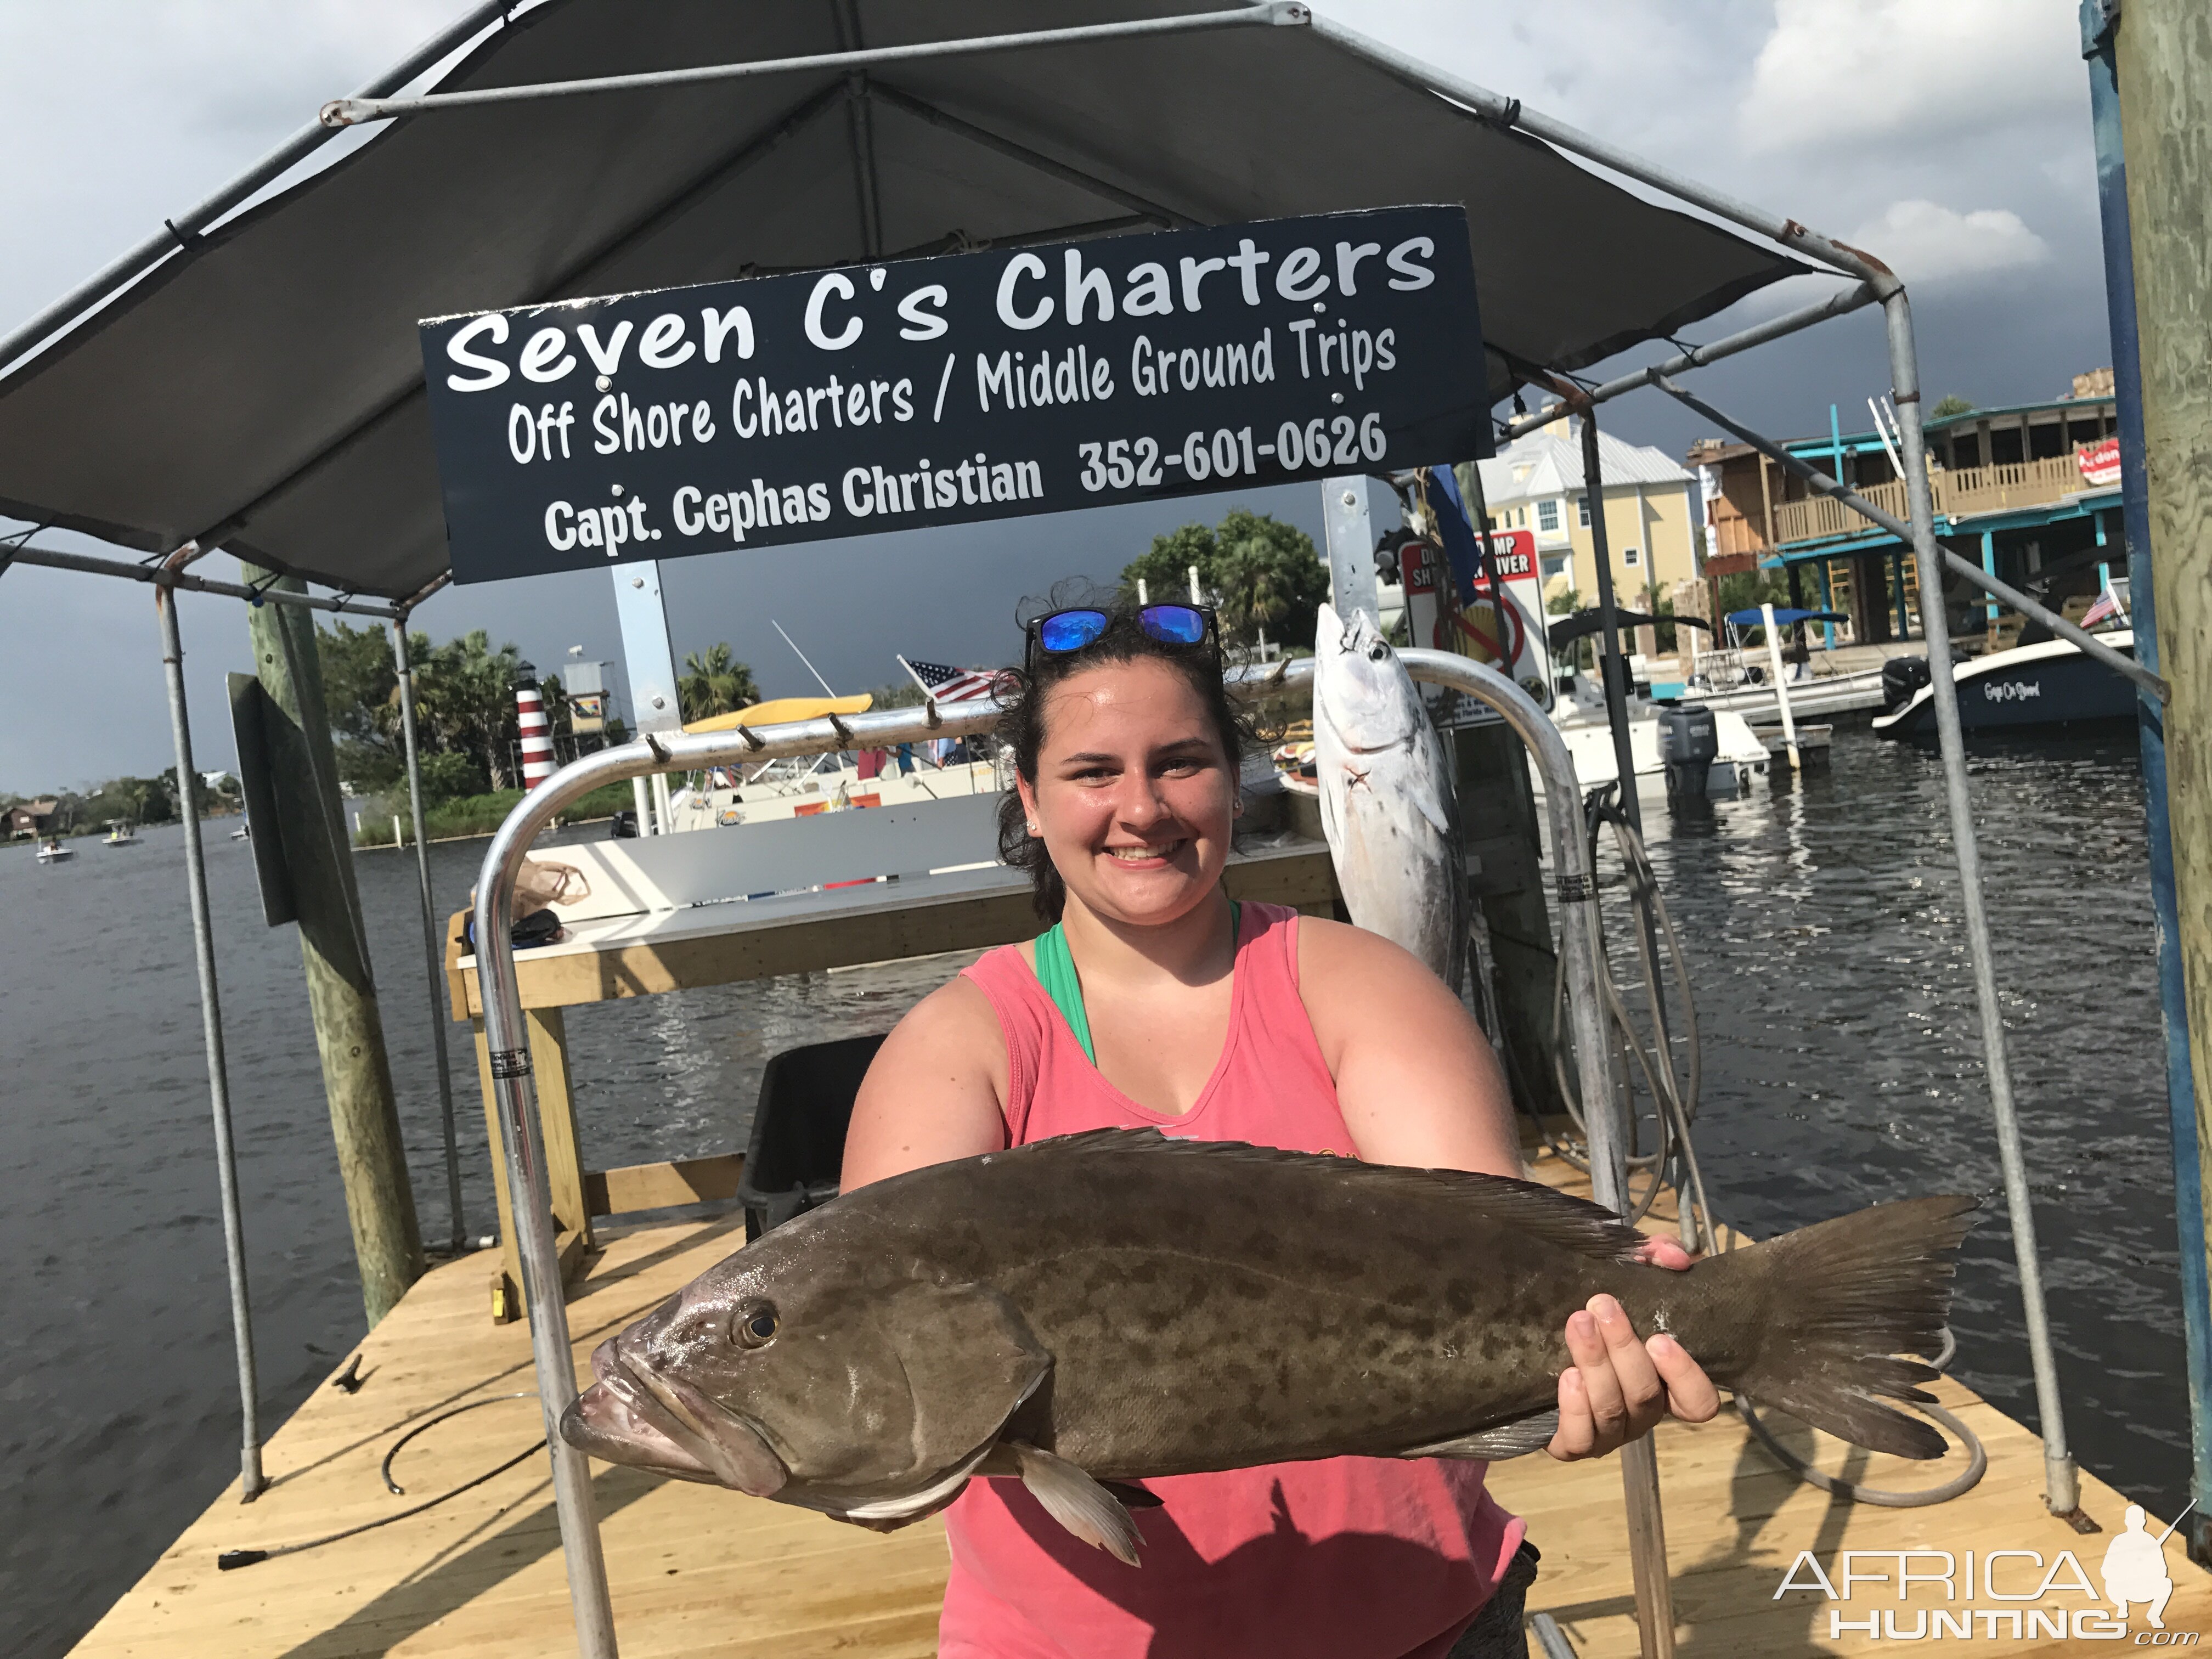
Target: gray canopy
[[262, 390]]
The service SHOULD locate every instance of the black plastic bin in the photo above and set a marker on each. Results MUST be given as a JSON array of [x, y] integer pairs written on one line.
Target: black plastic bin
[[798, 1142]]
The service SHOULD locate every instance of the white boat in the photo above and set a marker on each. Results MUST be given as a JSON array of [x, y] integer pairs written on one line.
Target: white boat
[[121, 832], [1739, 675], [1814, 695], [1581, 718], [241, 834], [51, 851]]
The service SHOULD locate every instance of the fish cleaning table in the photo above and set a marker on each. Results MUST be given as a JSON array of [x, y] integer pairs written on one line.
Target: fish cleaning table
[[797, 895]]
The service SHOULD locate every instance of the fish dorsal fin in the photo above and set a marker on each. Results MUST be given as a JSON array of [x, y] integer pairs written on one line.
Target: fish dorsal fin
[[1568, 1224]]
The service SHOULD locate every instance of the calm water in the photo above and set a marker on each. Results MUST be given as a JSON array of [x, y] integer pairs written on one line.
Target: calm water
[[1840, 1061]]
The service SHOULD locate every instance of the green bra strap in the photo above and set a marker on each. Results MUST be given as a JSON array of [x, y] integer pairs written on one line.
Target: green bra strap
[[1055, 971]]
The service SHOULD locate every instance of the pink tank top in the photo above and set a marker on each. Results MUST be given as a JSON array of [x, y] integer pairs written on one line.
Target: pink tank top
[[1352, 1558]]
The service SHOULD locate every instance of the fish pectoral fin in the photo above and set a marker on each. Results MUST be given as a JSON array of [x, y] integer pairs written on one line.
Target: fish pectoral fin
[[1494, 1445], [1079, 1503]]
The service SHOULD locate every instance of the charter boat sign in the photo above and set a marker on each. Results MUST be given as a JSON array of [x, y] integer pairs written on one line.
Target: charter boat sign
[[803, 407]]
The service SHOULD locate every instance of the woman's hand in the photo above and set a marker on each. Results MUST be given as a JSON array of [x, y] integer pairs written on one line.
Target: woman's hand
[[1620, 1385]]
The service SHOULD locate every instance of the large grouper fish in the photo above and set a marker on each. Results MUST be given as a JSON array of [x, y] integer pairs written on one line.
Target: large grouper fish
[[1387, 806], [1101, 1308]]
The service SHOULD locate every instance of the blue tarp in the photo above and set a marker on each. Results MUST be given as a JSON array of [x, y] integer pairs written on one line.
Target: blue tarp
[[1754, 619]]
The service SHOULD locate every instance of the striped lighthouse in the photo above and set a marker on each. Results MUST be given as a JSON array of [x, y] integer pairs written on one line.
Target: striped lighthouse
[[536, 738]]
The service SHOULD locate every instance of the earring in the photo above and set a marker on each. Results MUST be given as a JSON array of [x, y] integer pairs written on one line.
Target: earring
[[1032, 828]]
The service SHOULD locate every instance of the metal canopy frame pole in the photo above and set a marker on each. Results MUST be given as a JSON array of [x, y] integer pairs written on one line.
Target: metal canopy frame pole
[[1841, 303], [1613, 666], [170, 574], [2062, 1491], [516, 1095], [250, 1482], [432, 955], [352, 112]]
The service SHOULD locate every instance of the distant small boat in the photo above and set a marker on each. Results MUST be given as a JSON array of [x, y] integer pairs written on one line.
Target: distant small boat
[[51, 851], [121, 832], [241, 834]]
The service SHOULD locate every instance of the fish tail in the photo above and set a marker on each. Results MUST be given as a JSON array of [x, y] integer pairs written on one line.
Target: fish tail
[[1843, 1300]]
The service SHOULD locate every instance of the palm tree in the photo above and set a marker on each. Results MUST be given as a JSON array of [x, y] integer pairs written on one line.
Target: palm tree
[[715, 682], [465, 699]]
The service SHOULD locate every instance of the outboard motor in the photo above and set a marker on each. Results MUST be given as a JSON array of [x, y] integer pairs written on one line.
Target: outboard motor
[[1901, 678], [1689, 743]]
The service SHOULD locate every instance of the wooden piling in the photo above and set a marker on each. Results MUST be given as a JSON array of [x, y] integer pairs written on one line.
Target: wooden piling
[[2163, 56], [334, 947]]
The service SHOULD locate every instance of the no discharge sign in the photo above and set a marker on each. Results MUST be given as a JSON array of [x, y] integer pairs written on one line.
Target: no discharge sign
[[978, 386]]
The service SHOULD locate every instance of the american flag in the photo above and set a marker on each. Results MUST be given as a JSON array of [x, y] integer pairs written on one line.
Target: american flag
[[947, 684], [2107, 604]]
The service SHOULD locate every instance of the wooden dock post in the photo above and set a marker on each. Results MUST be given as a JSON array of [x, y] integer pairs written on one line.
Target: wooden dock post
[[334, 948], [2163, 56]]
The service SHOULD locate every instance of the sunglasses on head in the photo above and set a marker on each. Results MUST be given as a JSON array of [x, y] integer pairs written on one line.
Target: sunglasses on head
[[1064, 631]]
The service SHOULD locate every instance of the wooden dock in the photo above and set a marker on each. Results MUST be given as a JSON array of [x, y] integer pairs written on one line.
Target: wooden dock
[[698, 1571]]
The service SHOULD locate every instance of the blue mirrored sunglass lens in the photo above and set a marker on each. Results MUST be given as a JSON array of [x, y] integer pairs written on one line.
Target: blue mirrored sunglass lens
[[1071, 630], [1180, 624]]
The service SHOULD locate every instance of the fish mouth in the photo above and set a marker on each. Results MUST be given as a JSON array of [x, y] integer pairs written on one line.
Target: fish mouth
[[638, 1416]]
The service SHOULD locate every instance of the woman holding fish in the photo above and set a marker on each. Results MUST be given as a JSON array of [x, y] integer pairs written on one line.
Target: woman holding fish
[[1154, 1002]]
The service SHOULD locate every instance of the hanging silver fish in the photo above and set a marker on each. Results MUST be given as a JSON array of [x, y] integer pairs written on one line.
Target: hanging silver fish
[[1387, 804]]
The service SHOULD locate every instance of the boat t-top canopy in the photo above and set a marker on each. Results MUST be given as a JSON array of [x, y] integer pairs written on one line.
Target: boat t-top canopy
[[1756, 617], [260, 388], [1580, 625]]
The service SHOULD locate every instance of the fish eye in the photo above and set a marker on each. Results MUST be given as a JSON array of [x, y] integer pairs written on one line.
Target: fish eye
[[1377, 651], [755, 1325]]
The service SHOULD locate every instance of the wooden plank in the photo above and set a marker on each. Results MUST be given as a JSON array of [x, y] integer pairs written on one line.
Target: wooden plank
[[507, 1278], [663, 1186], [557, 1120]]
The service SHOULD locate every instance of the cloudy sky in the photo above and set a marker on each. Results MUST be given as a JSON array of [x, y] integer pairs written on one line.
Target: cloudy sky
[[1952, 139]]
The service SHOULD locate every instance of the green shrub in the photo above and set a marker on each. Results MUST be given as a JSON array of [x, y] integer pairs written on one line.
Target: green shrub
[[450, 775], [483, 814]]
